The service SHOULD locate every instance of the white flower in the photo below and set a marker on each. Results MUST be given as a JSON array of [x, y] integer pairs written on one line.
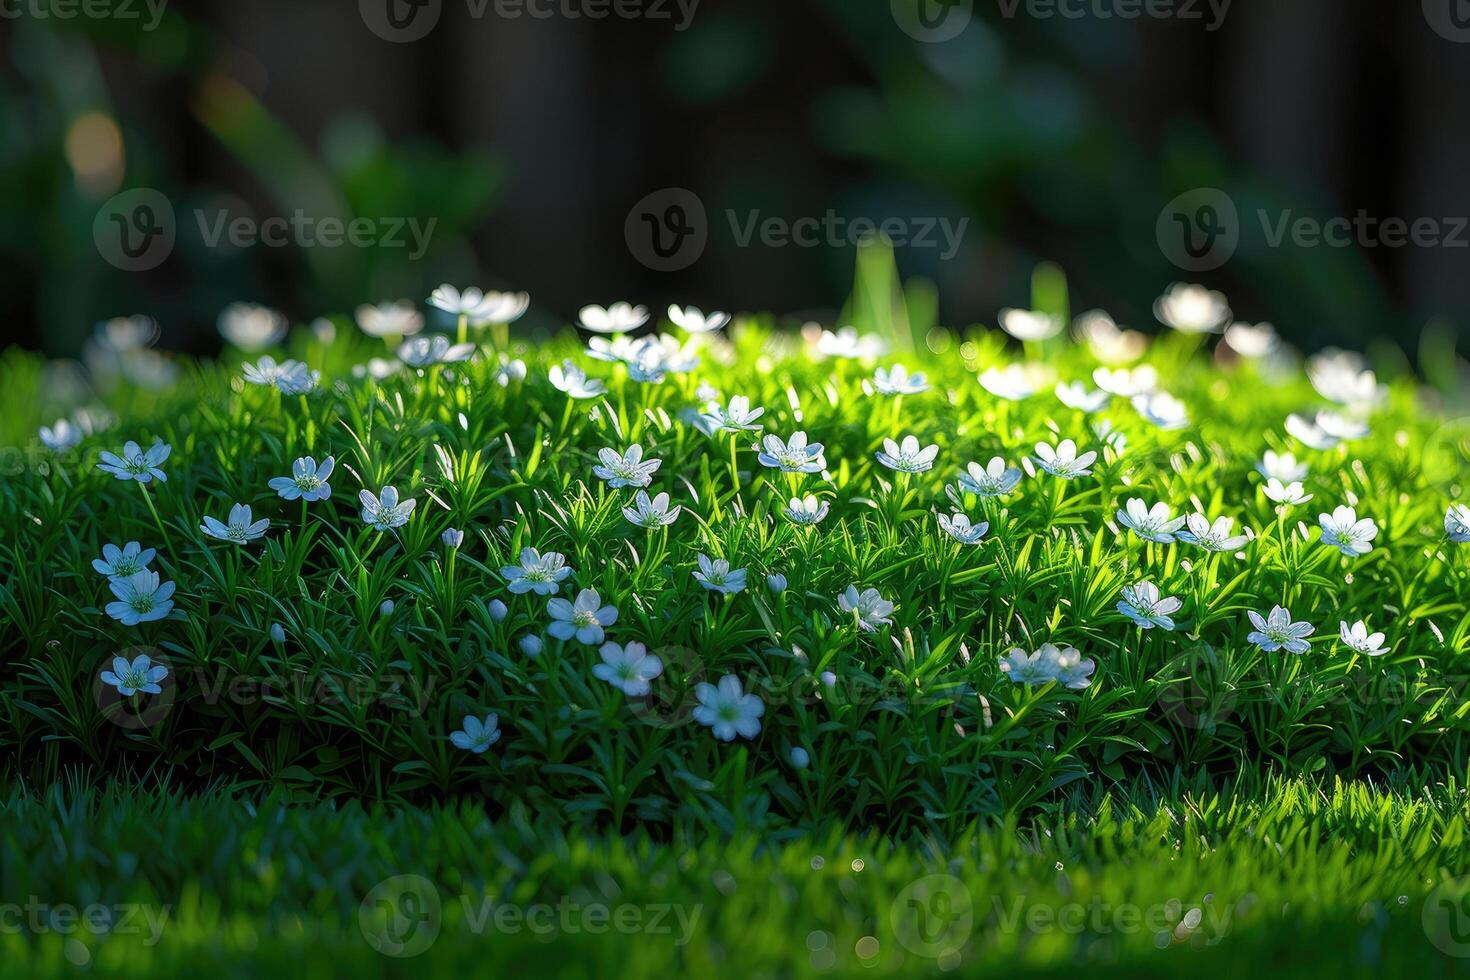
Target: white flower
[[1341, 426], [1344, 531], [1457, 523], [140, 598], [1032, 669], [386, 511], [1356, 637], [717, 576], [898, 381], [377, 368], [536, 573], [960, 528], [135, 464], [1124, 383], [1278, 632], [1192, 309], [1144, 604], [123, 562], [628, 668], [390, 319], [794, 456], [452, 537], [909, 457], [691, 319], [627, 470], [583, 619], [651, 513], [728, 710], [1212, 537], [846, 343], [1109, 436], [650, 359], [1283, 467], [426, 351], [1286, 493], [127, 333], [497, 610], [1252, 342], [480, 308], [1077, 395], [868, 609], [251, 327], [617, 318], [308, 481], [572, 380], [618, 350], [295, 378], [509, 370], [1156, 524], [141, 675], [61, 437], [240, 530], [531, 645], [1030, 324], [776, 582], [1063, 461], [738, 416], [1109, 343], [995, 480], [502, 308], [1162, 409], [477, 735], [1343, 377], [1072, 671], [807, 510], [1013, 383]]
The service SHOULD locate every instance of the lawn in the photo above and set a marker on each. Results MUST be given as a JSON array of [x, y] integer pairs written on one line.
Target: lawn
[[1170, 624]]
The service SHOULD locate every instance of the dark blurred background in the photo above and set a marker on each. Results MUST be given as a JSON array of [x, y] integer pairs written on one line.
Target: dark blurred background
[[528, 139]]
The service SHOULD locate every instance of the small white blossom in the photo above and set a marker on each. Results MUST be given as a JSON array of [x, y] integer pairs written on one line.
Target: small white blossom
[[996, 479], [123, 562], [61, 437], [1343, 377], [807, 510], [308, 480], [452, 537], [509, 370], [652, 513], [477, 735], [691, 319], [1084, 399], [389, 319], [738, 416], [531, 645], [1157, 524], [1252, 341], [1212, 537], [960, 528], [1344, 531], [617, 318], [497, 610], [536, 572], [567, 377], [846, 343], [422, 352], [717, 576], [386, 511], [1356, 637], [868, 609], [1286, 493], [141, 675], [1030, 324], [1108, 342], [251, 327], [1192, 309], [898, 381], [793, 456], [135, 464], [1013, 383], [629, 469], [1063, 460], [140, 598], [776, 582], [1341, 426], [240, 529], [584, 618], [628, 668], [1033, 670], [1283, 467], [1457, 523], [909, 457], [1277, 632], [1162, 409], [1142, 380], [727, 710], [1144, 604], [1073, 671]]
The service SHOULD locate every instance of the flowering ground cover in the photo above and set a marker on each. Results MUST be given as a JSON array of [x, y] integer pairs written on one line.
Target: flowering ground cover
[[706, 580]]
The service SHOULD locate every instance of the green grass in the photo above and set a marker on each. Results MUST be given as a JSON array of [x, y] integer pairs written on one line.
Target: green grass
[[921, 733], [1317, 880]]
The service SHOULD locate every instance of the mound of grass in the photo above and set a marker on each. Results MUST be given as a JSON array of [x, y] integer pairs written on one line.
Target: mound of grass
[[1319, 879], [330, 658]]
